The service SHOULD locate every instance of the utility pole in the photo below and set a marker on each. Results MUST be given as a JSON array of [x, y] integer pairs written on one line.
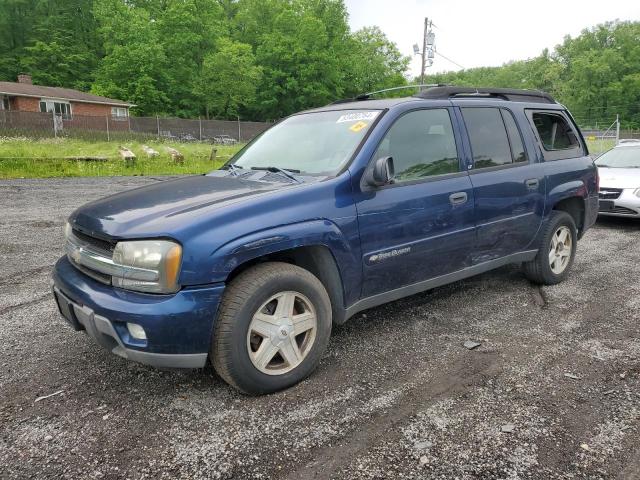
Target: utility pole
[[428, 48], [424, 49]]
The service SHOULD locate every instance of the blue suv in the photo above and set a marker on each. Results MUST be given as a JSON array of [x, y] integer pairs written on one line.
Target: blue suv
[[330, 212]]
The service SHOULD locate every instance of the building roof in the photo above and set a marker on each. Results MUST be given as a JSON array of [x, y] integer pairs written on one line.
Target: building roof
[[38, 91]]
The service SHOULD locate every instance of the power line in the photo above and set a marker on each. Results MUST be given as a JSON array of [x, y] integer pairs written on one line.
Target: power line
[[448, 59]]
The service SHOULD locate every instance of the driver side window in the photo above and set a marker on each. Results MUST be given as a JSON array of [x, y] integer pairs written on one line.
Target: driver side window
[[422, 144]]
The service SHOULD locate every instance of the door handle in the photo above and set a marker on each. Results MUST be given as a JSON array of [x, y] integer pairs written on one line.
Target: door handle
[[532, 183], [458, 198]]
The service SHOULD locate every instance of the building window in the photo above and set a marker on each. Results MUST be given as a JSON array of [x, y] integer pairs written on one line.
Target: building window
[[62, 109], [119, 113], [5, 103]]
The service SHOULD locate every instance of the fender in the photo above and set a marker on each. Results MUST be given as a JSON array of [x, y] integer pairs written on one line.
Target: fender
[[339, 240]]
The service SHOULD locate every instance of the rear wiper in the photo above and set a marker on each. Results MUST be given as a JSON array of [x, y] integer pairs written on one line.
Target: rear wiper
[[281, 171]]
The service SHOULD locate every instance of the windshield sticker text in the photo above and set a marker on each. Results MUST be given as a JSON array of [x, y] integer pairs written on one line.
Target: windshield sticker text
[[357, 116]]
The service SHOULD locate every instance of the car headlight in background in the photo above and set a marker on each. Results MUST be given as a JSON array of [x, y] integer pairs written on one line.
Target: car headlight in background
[[155, 265]]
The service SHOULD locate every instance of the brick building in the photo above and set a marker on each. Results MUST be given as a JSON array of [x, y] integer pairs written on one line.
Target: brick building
[[23, 96]]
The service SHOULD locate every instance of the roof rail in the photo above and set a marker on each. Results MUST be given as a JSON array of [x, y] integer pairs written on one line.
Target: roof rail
[[511, 94], [367, 96]]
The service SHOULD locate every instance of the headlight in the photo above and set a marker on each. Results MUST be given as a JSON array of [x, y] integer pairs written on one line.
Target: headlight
[[67, 230], [636, 192], [155, 265]]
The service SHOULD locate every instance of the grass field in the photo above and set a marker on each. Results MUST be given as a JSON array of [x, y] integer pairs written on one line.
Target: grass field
[[27, 158]]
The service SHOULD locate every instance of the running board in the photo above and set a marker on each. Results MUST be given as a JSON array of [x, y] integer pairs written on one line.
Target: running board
[[414, 288]]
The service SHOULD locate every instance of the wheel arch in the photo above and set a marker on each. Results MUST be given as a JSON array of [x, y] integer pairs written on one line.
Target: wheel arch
[[316, 259], [570, 198], [318, 246], [574, 206]]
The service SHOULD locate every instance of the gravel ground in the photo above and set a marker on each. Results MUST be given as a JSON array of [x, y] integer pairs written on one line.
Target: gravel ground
[[553, 391]]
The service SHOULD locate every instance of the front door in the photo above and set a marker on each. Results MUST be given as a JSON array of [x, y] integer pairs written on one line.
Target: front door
[[508, 184], [422, 225]]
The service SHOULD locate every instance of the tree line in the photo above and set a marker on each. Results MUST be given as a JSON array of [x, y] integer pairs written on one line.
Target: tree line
[[257, 59], [596, 74], [265, 59]]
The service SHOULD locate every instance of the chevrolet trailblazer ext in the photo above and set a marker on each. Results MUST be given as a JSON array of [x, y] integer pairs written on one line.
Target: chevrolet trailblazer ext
[[329, 212]]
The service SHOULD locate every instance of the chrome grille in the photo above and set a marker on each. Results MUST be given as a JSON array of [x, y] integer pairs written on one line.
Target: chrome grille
[[95, 243], [609, 193]]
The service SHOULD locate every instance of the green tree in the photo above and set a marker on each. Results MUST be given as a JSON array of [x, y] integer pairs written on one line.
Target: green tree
[[373, 62], [134, 66], [229, 79], [188, 30]]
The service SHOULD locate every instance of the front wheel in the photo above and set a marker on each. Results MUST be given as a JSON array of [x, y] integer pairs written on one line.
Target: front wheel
[[556, 252], [273, 326]]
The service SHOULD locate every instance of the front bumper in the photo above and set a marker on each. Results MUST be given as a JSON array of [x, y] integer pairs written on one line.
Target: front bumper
[[626, 205], [178, 326]]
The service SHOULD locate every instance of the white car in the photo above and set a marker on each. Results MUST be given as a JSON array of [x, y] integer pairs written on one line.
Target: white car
[[619, 171]]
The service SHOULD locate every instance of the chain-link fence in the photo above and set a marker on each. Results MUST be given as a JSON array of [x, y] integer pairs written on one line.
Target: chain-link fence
[[605, 135], [42, 125]]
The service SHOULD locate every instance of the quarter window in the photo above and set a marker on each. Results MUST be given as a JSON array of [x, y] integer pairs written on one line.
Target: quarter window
[[557, 137], [422, 144], [554, 132], [488, 136]]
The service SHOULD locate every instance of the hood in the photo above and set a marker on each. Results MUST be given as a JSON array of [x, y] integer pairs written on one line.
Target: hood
[[150, 210], [619, 177]]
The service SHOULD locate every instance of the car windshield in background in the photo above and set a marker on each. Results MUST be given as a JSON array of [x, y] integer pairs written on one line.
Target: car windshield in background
[[625, 157], [317, 143]]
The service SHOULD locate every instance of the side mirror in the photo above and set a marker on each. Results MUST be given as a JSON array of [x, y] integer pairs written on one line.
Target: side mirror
[[381, 173]]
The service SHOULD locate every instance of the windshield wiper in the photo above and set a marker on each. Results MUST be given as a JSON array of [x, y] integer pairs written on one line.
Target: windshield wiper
[[281, 171], [233, 168]]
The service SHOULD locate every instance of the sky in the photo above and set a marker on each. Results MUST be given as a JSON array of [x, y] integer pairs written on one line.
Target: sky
[[486, 32]]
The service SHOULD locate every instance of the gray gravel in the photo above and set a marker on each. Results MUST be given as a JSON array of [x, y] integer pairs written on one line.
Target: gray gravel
[[397, 394]]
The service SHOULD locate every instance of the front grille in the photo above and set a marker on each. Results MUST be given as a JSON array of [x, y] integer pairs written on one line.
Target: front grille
[[96, 243], [609, 193], [100, 277], [98, 246]]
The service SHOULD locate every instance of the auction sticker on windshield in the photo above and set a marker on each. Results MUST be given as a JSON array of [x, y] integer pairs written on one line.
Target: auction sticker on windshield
[[357, 116], [356, 127]]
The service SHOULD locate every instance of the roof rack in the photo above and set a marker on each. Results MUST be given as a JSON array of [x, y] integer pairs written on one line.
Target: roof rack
[[367, 96], [511, 94]]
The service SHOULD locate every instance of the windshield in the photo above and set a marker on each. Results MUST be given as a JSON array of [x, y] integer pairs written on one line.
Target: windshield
[[317, 143], [625, 157]]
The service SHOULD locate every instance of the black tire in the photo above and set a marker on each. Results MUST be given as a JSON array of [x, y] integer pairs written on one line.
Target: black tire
[[242, 299], [539, 269]]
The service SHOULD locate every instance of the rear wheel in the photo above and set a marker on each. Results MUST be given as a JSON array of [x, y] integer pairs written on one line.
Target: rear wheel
[[556, 252], [274, 325]]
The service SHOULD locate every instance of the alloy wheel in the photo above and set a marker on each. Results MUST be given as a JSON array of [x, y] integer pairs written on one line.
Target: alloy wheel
[[560, 251], [282, 333]]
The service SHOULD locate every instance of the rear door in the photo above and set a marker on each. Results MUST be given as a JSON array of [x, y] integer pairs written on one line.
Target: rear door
[[508, 183]]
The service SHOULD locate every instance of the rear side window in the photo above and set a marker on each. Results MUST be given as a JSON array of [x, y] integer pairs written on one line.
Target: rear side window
[[422, 144], [557, 137], [488, 136]]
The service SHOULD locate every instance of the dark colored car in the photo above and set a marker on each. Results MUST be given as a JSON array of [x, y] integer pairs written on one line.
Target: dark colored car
[[329, 212]]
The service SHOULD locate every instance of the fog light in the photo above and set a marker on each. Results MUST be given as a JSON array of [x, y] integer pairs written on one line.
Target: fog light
[[136, 331]]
